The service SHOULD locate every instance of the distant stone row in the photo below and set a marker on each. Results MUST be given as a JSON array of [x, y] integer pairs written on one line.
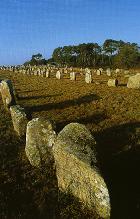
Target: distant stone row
[[71, 153], [89, 74]]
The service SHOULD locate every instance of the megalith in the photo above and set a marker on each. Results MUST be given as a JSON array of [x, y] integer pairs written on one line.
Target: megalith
[[7, 93], [40, 138], [77, 171], [19, 119]]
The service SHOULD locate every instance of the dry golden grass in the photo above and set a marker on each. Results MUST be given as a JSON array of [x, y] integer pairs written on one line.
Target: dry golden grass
[[111, 114]]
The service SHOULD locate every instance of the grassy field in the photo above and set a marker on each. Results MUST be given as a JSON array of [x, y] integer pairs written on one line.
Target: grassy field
[[113, 117]]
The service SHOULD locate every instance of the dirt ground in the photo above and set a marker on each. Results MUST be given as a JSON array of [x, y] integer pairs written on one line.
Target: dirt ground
[[112, 114]]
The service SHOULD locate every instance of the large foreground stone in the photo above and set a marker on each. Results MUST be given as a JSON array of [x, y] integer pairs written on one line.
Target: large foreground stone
[[40, 137], [75, 158], [7, 93], [19, 119], [134, 81]]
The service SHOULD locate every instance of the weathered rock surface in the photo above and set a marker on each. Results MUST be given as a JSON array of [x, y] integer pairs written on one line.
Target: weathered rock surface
[[7, 93], [134, 81], [75, 158], [40, 137], [19, 119]]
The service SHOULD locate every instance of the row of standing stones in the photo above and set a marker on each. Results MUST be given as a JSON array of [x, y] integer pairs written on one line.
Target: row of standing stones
[[133, 81], [71, 153]]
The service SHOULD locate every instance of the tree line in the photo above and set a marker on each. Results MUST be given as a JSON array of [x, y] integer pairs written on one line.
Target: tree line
[[113, 53]]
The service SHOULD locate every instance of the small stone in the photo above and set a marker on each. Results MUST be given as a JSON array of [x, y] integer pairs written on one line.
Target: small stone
[[112, 83]]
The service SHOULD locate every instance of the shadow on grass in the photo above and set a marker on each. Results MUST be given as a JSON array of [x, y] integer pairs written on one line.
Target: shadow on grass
[[37, 97], [67, 103], [30, 91], [119, 153], [122, 85]]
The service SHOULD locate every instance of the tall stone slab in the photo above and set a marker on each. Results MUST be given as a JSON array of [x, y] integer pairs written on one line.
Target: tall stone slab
[[40, 137], [19, 119], [59, 75], [72, 76], [88, 78], [98, 72], [77, 172], [7, 93], [48, 74], [108, 72]]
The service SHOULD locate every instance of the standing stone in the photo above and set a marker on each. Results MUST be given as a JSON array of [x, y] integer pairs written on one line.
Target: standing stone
[[7, 93], [117, 71], [59, 75], [40, 137], [98, 72], [112, 83], [72, 76], [47, 74], [108, 72], [19, 119], [88, 77], [87, 70], [77, 174], [101, 70], [134, 81]]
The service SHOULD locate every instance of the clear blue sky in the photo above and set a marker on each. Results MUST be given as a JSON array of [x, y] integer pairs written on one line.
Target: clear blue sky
[[31, 26]]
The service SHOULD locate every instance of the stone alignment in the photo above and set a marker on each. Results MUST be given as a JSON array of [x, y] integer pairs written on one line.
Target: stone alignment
[[77, 172], [40, 138], [134, 81], [112, 83], [19, 119], [7, 93]]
